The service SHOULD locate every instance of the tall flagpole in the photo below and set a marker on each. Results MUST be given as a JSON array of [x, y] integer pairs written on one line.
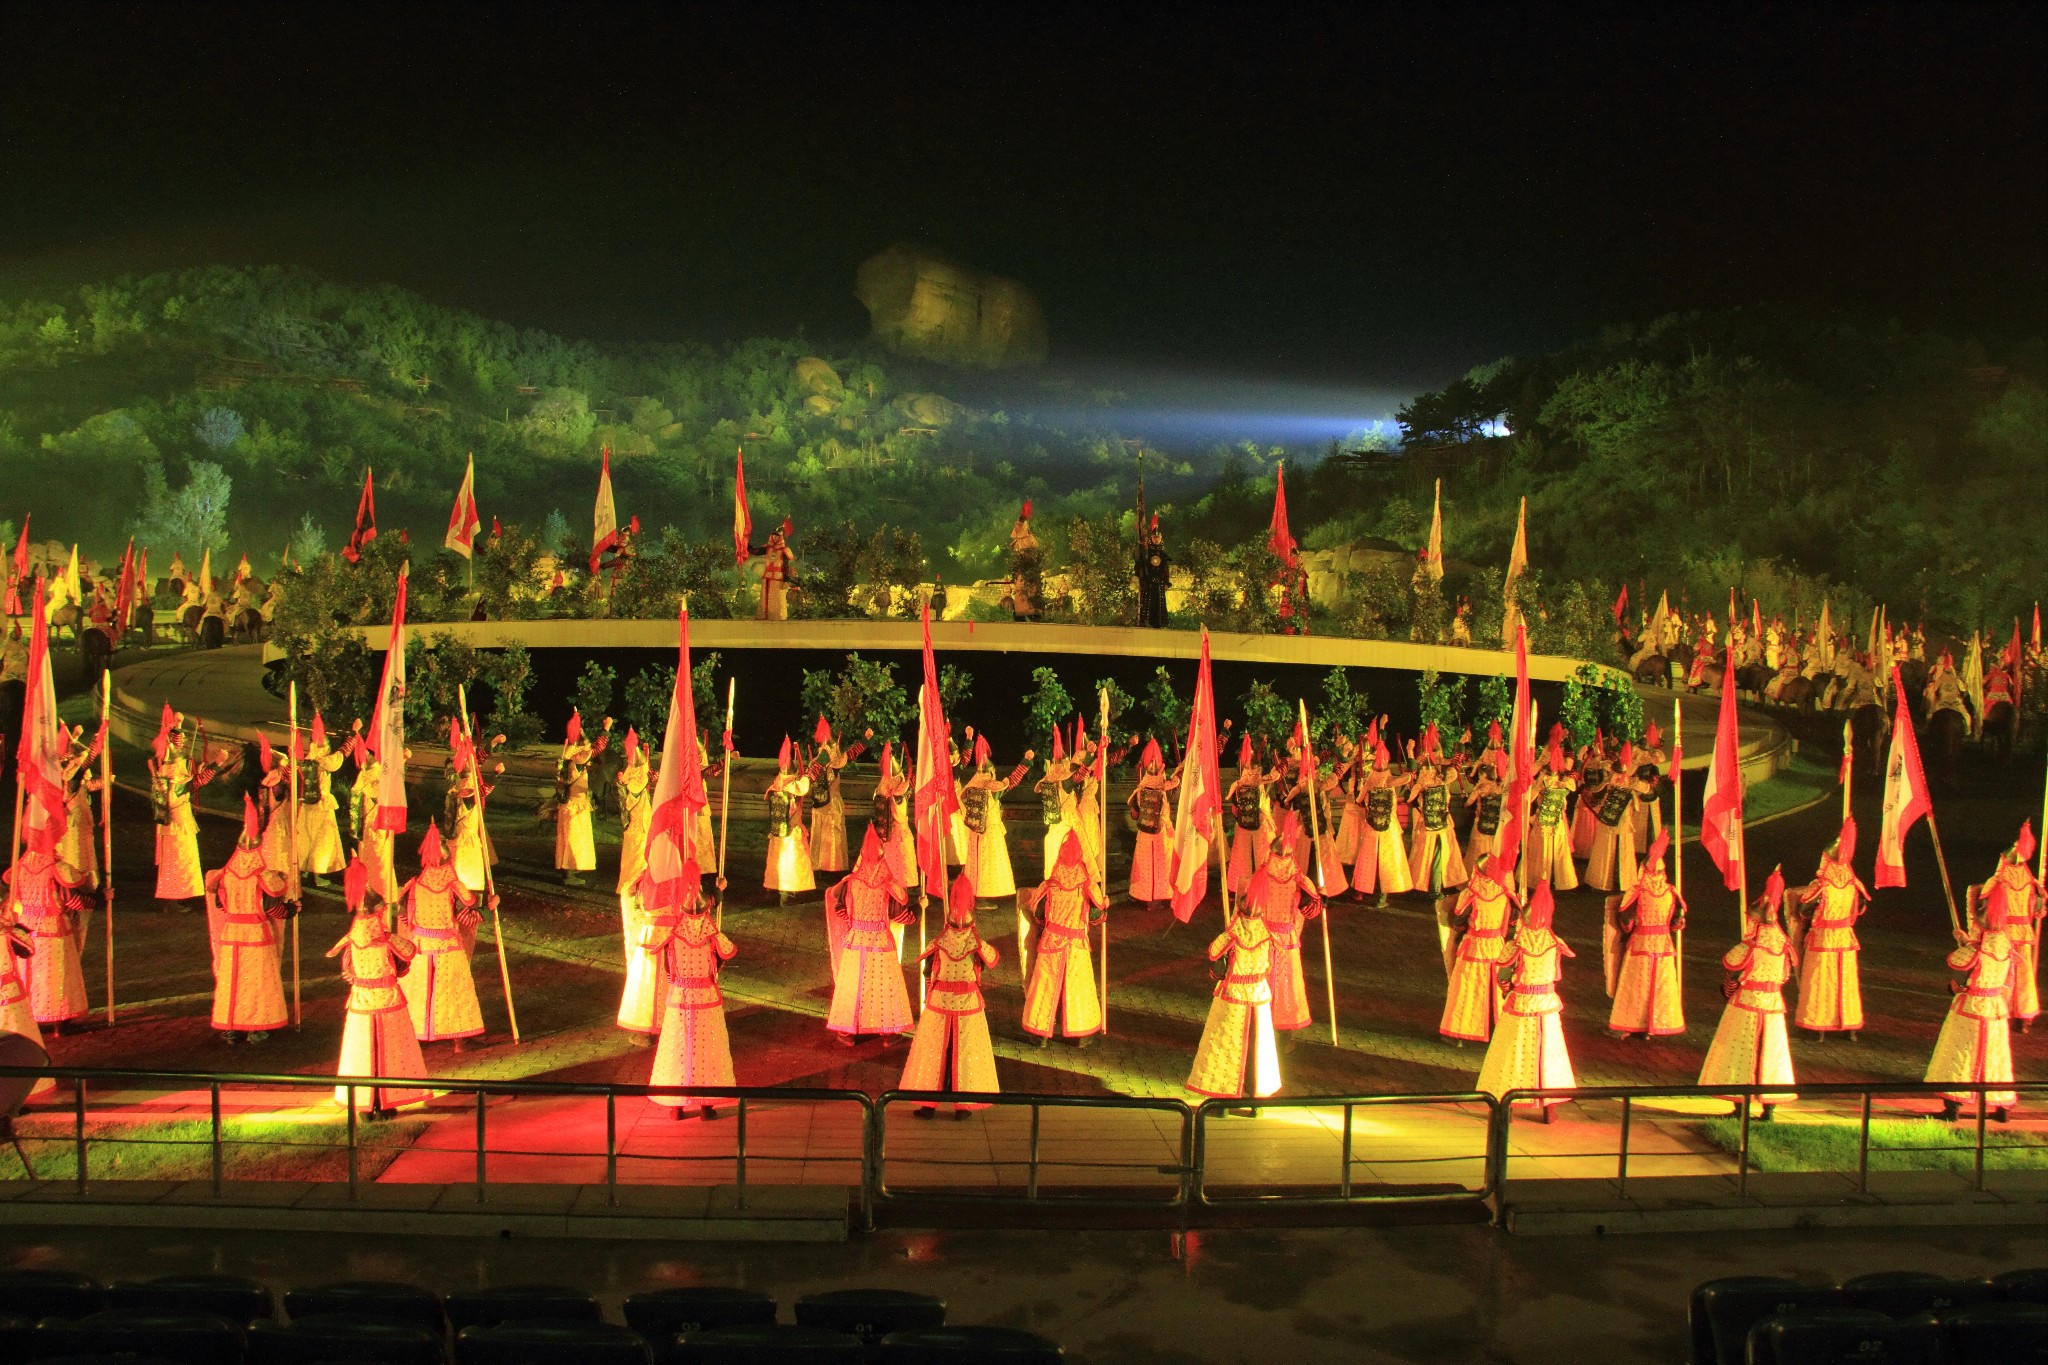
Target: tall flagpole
[[1678, 838], [291, 836], [724, 782], [1315, 834], [2043, 841], [483, 834], [107, 827]]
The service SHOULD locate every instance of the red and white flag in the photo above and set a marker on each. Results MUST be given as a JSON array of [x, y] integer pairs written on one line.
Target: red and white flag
[[366, 522], [933, 800], [1906, 797], [125, 592], [40, 754], [742, 519], [1201, 797], [387, 723], [604, 534], [1721, 800], [463, 521], [1521, 755], [1279, 539], [678, 793]]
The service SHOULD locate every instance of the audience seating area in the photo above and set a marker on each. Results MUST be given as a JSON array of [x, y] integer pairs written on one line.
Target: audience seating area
[[69, 1319], [1895, 1318]]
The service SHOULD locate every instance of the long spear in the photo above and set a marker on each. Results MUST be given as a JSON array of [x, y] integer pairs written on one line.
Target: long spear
[[1315, 827], [107, 827], [2043, 872], [1102, 869], [476, 769], [1678, 836], [291, 835], [725, 785]]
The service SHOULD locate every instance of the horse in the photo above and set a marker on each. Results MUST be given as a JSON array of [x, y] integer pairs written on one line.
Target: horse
[[1751, 678], [1946, 730], [142, 620], [247, 626], [1656, 668], [1913, 673], [188, 620], [2001, 728], [1710, 677], [95, 650], [1869, 728]]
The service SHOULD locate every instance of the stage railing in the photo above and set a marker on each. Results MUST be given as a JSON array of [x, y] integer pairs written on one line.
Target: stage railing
[[358, 1135], [1849, 1098], [1473, 1114]]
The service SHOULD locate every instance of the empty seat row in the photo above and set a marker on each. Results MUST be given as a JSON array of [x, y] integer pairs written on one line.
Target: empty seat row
[[1893, 1316], [203, 1319]]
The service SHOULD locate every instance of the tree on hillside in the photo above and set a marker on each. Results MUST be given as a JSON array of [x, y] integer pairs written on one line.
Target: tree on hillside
[[186, 520]]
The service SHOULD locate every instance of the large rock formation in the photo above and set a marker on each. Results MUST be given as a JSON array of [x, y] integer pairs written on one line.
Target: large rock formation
[[922, 304]]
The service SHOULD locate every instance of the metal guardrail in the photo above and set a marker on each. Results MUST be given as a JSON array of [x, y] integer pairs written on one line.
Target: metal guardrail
[[1347, 1190], [1747, 1097], [1193, 1181]]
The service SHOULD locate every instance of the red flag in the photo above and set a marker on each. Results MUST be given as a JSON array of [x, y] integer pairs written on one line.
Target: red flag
[[463, 521], [1906, 798], [1721, 799], [604, 533], [40, 755], [1621, 605], [21, 548], [1521, 753], [1279, 539], [387, 723], [2037, 625], [742, 519], [124, 594], [366, 522], [678, 791], [1201, 797]]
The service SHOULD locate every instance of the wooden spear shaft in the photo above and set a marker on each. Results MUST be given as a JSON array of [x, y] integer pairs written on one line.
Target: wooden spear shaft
[[1322, 885], [1942, 863], [1102, 842], [291, 835], [476, 769], [724, 785], [107, 828], [1678, 840]]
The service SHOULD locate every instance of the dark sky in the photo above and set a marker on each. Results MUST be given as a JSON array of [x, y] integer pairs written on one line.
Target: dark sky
[[1350, 195]]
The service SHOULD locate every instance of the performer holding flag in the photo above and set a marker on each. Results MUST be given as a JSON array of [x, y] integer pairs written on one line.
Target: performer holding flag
[[1830, 982], [671, 872], [1721, 800], [1750, 1046], [1201, 797]]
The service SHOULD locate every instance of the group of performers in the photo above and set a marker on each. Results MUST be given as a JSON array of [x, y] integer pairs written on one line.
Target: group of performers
[[1366, 825]]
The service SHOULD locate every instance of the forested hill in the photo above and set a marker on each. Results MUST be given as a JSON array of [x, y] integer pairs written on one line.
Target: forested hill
[[1786, 454]]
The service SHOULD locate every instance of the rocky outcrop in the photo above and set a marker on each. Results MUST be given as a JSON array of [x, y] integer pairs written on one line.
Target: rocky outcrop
[[920, 303]]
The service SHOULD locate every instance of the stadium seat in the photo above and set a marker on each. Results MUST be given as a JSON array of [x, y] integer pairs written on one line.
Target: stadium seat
[[123, 1359], [515, 1302], [1902, 1293], [1999, 1334], [2022, 1286], [1724, 1310], [1827, 1336], [959, 1345], [317, 1338], [187, 1338], [234, 1297], [387, 1299], [551, 1343], [38, 1294], [661, 1315], [870, 1314], [775, 1344]]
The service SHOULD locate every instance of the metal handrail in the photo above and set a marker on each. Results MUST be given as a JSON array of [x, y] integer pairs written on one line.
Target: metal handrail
[[1347, 1193], [1181, 1170], [214, 1082], [1744, 1096]]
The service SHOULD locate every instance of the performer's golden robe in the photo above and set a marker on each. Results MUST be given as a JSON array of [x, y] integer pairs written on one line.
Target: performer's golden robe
[[1061, 995], [789, 848], [319, 828], [1830, 982], [1611, 863], [1382, 862], [868, 994], [1152, 860], [53, 912], [1237, 1055], [951, 1050], [377, 1037], [248, 987], [440, 990], [828, 818], [1646, 997], [78, 847], [17, 1013], [1275, 895], [1251, 835], [694, 1047], [1472, 999], [2023, 913], [178, 873], [375, 847], [636, 818], [575, 843], [1528, 1050], [1547, 855], [1750, 1045], [1976, 1042], [1434, 859], [988, 838]]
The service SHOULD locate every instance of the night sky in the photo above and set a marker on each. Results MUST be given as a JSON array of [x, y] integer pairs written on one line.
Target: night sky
[[1349, 196]]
